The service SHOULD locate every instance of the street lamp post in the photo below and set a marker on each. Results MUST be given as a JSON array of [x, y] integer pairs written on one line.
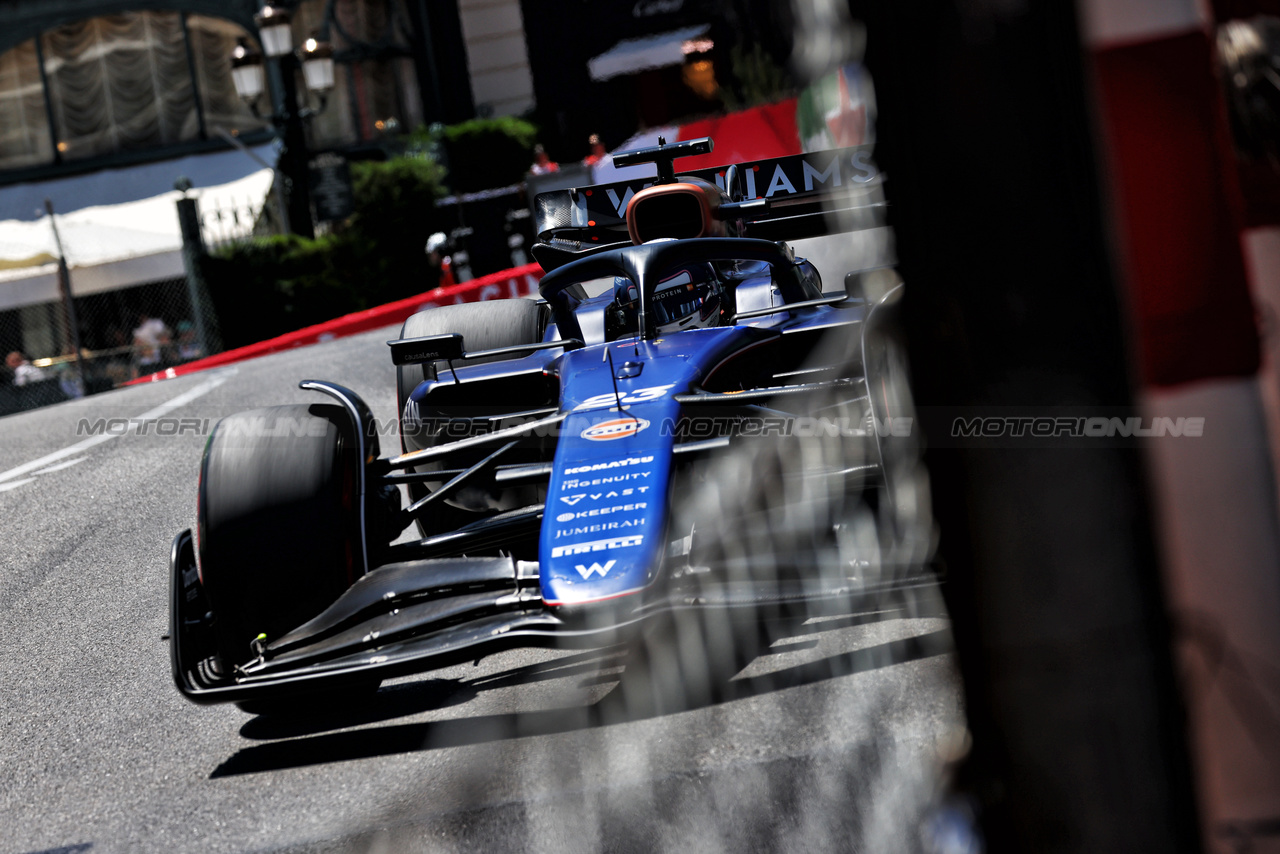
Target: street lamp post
[[248, 72]]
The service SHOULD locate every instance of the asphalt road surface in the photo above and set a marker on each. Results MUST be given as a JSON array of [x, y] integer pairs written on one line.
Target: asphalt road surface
[[832, 744]]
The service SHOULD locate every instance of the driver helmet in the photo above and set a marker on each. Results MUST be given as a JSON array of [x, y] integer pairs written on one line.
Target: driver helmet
[[687, 298]]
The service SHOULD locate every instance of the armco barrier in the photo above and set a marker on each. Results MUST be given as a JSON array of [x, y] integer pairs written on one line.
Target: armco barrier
[[505, 284]]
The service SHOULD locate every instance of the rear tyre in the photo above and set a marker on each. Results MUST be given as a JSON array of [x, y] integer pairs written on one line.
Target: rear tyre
[[905, 494], [278, 517], [483, 326]]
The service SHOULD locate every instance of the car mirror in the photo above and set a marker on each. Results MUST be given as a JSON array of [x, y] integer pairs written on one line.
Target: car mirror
[[869, 286], [433, 348]]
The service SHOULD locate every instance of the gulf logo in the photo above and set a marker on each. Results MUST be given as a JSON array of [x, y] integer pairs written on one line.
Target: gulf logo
[[618, 428]]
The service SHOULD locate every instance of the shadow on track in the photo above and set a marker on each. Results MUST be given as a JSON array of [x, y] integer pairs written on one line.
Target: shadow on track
[[403, 700], [307, 748]]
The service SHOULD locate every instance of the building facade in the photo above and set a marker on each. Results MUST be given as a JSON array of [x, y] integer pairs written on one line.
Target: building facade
[[104, 103], [616, 68]]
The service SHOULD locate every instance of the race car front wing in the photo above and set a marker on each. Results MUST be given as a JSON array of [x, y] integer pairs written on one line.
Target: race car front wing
[[411, 616]]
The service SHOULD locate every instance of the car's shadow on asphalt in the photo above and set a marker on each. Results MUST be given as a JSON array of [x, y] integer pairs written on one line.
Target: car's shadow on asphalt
[[314, 741], [422, 695]]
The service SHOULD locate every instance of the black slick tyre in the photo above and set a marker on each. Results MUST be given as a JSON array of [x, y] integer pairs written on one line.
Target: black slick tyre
[[277, 522], [483, 326]]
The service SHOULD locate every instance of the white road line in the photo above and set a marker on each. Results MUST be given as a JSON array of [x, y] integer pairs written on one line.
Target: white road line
[[60, 466], [15, 484], [163, 409]]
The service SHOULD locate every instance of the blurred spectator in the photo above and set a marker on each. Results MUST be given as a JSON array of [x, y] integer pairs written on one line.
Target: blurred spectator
[[436, 245], [69, 379], [23, 371], [598, 158], [542, 162], [597, 151], [188, 345], [118, 367], [150, 340]]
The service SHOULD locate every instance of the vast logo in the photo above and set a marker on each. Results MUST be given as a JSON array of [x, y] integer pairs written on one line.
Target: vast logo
[[585, 571], [617, 428]]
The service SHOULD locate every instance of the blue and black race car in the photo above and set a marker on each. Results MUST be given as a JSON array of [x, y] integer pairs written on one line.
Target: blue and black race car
[[685, 430]]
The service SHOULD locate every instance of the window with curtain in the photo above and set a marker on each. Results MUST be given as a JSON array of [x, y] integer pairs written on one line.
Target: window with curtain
[[24, 124], [333, 126], [141, 80], [382, 83], [212, 40], [119, 83]]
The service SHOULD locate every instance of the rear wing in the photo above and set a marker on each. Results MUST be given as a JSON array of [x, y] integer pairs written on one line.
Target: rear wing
[[809, 195]]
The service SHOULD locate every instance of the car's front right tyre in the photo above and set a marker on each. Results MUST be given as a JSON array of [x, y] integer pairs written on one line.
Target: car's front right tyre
[[277, 522]]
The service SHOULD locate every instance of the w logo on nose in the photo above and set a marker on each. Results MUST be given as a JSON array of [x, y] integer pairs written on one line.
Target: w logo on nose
[[585, 571]]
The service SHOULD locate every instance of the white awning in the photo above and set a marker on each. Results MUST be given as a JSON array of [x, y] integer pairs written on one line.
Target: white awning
[[633, 55], [110, 246]]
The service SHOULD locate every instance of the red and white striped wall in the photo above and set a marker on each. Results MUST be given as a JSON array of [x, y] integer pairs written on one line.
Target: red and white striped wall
[[1195, 280]]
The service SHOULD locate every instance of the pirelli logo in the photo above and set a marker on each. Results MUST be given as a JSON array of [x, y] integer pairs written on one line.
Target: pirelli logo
[[598, 546]]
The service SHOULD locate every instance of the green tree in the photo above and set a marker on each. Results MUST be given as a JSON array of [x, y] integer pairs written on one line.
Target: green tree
[[487, 153], [757, 78], [275, 285]]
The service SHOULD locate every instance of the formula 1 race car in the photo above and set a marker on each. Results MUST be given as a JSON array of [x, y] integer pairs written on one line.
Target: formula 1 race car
[[684, 428]]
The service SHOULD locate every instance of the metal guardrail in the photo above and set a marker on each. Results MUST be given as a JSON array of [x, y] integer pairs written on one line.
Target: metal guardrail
[[232, 224]]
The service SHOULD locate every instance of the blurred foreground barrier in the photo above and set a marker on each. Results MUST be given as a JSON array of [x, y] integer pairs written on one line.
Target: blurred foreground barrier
[[1201, 261], [505, 284]]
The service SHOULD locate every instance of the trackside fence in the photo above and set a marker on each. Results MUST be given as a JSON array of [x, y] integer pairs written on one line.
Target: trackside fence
[[506, 284], [123, 334]]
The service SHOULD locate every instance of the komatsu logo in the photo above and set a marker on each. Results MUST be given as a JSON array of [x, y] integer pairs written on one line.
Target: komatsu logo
[[585, 571], [612, 464]]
